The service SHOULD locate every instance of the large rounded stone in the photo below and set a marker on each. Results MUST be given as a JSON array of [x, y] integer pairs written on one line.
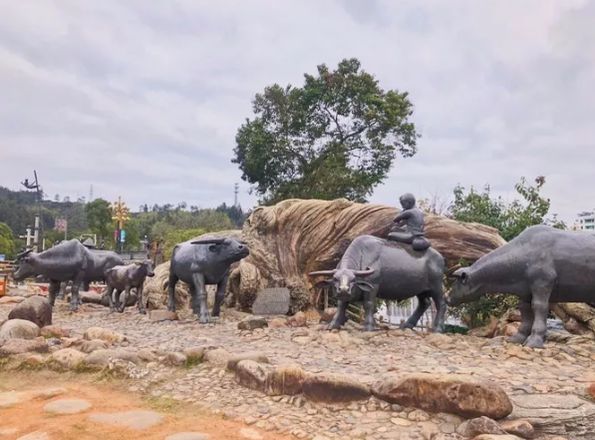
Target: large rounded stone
[[18, 328], [37, 435], [334, 388], [497, 437], [104, 334], [256, 356], [18, 346], [100, 359], [93, 345], [67, 406], [479, 425], [251, 374], [454, 394], [35, 309], [252, 322], [217, 357], [66, 359], [521, 428], [55, 331], [285, 380]]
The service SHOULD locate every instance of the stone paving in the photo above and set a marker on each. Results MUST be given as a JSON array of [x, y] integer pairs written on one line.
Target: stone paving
[[562, 370]]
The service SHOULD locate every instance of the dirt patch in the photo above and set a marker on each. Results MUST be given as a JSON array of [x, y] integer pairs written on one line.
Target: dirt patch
[[29, 416]]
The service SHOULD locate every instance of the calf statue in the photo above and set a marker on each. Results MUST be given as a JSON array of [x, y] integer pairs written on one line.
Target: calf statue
[[67, 261], [540, 266], [375, 268], [202, 262], [123, 278]]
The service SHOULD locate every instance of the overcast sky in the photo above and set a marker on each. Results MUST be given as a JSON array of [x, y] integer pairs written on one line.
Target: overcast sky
[[143, 98]]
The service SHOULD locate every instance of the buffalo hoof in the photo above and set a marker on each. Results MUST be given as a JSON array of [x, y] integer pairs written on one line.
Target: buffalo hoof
[[142, 312], [74, 307], [534, 341], [406, 325], [203, 319], [371, 328], [517, 338], [333, 326], [121, 310]]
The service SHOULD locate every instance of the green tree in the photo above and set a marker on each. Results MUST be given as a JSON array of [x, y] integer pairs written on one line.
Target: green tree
[[510, 219], [99, 218], [337, 136], [7, 244]]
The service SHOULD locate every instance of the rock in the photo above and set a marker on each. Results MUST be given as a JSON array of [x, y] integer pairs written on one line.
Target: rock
[[175, 359], [278, 323], [591, 391], [487, 331], [66, 359], [438, 340], [218, 357], [252, 322], [251, 374], [187, 436], [17, 346], [285, 380], [11, 398], [556, 414], [418, 415], [496, 437], [328, 314], [250, 434], [5, 432], [55, 331], [35, 309], [521, 428], [138, 419], [93, 345], [454, 394], [256, 356], [18, 328], [272, 301], [162, 315], [479, 425], [37, 435], [67, 406], [100, 359], [334, 388], [11, 299], [104, 334], [298, 320], [29, 360], [194, 355]]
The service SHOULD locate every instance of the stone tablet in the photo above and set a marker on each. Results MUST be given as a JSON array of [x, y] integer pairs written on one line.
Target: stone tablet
[[271, 301]]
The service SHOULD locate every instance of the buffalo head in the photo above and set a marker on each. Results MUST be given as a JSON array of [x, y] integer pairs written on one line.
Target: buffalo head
[[463, 290], [226, 249], [25, 268], [147, 265], [344, 280]]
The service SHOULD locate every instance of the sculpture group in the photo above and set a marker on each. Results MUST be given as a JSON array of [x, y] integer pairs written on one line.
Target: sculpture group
[[542, 265]]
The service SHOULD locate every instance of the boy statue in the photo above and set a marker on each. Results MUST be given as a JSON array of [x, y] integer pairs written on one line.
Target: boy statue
[[411, 225]]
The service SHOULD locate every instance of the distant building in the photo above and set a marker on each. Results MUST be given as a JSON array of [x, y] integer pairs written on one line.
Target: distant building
[[585, 221]]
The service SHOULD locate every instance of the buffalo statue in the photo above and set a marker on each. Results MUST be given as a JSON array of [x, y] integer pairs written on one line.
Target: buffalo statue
[[202, 262], [372, 268], [124, 278], [67, 261], [541, 265]]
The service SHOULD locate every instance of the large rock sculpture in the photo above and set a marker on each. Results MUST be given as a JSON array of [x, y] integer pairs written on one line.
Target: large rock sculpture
[[295, 237]]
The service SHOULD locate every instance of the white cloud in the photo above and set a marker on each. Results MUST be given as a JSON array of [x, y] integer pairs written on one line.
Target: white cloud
[[142, 99]]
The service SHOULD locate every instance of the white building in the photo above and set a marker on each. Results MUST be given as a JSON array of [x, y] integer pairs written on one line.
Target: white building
[[585, 221]]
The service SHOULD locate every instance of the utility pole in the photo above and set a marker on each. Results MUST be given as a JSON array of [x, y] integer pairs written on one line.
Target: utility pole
[[236, 189], [121, 214], [38, 226]]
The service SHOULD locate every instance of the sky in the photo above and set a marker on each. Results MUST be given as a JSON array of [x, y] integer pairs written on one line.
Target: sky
[[143, 99]]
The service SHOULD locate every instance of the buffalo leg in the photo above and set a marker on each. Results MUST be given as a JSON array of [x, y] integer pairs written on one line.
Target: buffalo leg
[[438, 298], [140, 302], [74, 296], [369, 306], [527, 318], [125, 300], [110, 296], [540, 303], [201, 296], [171, 288], [423, 302], [220, 295], [340, 317], [53, 290]]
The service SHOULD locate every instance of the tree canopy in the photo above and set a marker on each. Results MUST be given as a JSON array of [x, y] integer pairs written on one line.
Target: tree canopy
[[337, 136]]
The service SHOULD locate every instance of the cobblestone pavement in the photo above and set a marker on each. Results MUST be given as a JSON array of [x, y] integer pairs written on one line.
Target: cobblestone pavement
[[561, 368]]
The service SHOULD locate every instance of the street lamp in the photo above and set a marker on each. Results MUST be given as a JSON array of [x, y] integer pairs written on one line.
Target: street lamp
[[121, 214]]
